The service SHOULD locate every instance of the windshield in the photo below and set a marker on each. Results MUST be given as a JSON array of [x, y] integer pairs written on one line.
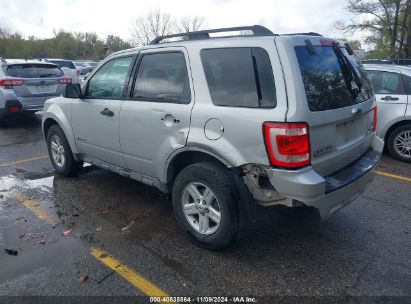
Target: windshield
[[33, 70], [63, 64], [332, 78]]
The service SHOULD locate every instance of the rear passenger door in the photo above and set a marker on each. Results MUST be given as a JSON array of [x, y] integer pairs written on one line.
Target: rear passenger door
[[390, 94], [155, 117]]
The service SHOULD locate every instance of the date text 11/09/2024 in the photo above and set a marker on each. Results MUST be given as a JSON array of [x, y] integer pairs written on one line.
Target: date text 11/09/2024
[[171, 299]]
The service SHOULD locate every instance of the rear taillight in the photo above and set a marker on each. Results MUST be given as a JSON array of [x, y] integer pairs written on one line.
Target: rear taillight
[[78, 72], [10, 83], [374, 121], [14, 109], [65, 80], [287, 144]]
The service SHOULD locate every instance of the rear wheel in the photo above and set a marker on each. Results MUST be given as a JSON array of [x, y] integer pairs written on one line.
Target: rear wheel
[[205, 204], [60, 153], [399, 143]]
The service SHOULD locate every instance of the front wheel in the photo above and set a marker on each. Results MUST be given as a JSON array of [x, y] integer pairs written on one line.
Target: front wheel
[[205, 204], [399, 143], [60, 153]]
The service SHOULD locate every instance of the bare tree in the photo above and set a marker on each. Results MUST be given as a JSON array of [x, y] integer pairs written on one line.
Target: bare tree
[[190, 24], [155, 23]]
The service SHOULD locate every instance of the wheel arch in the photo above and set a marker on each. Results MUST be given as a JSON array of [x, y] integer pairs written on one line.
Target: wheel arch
[[186, 157], [51, 119], [405, 121]]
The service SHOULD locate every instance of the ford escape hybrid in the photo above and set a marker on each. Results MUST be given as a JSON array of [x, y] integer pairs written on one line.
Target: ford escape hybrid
[[226, 125]]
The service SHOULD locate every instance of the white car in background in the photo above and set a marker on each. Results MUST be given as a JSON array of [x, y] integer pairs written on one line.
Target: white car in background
[[392, 87], [67, 66]]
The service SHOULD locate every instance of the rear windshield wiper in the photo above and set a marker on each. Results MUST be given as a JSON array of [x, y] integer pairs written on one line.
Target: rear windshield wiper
[[349, 73]]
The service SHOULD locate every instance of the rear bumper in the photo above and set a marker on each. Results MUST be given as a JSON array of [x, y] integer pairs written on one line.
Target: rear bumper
[[34, 104], [332, 192], [32, 108]]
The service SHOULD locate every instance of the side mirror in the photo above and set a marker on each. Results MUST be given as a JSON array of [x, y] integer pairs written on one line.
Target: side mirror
[[73, 90]]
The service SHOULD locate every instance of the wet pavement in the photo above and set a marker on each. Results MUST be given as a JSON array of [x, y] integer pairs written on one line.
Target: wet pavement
[[54, 223]]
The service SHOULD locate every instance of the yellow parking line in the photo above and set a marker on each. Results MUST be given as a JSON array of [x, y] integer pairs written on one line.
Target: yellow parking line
[[34, 207], [404, 178], [23, 161], [133, 277], [127, 273]]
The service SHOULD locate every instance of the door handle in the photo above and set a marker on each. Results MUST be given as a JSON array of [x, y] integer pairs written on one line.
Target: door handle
[[107, 112], [388, 98], [169, 118]]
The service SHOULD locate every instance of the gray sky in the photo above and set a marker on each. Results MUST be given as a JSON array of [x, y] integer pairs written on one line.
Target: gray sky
[[41, 17]]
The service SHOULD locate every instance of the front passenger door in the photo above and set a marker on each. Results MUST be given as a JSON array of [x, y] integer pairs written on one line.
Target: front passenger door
[[96, 117]]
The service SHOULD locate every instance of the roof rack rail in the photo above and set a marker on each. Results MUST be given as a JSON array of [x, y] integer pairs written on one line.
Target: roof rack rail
[[257, 30], [303, 34]]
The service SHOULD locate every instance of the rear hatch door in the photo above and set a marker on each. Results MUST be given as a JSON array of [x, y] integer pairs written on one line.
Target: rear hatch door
[[39, 80], [337, 103]]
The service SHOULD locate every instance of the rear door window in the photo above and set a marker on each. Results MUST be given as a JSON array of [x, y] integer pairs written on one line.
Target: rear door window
[[163, 77], [33, 71], [239, 77], [325, 84], [386, 82]]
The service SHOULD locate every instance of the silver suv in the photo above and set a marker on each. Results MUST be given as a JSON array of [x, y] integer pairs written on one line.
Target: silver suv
[[26, 85], [228, 126]]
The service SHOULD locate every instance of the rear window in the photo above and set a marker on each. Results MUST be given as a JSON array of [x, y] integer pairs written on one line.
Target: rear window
[[239, 77], [324, 81], [33, 71], [63, 64]]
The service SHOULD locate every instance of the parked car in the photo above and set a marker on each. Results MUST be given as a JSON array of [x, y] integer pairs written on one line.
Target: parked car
[[275, 120], [26, 85], [377, 61], [392, 87], [93, 65], [84, 68], [67, 66], [78, 65]]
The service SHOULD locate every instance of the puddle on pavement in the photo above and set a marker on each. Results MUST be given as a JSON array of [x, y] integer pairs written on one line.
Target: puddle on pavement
[[11, 182], [38, 244], [9, 185], [98, 206]]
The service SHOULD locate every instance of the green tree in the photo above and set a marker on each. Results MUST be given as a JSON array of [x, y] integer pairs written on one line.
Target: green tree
[[384, 22]]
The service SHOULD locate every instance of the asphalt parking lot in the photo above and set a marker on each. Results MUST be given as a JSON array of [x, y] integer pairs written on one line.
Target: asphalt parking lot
[[102, 234]]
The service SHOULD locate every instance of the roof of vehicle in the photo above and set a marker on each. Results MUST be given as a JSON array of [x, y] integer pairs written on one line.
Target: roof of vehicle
[[377, 61], [24, 61], [57, 59], [187, 43], [189, 38], [388, 67]]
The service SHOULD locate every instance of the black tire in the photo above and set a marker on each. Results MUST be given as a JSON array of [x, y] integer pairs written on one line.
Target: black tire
[[391, 143], [71, 167], [220, 181]]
